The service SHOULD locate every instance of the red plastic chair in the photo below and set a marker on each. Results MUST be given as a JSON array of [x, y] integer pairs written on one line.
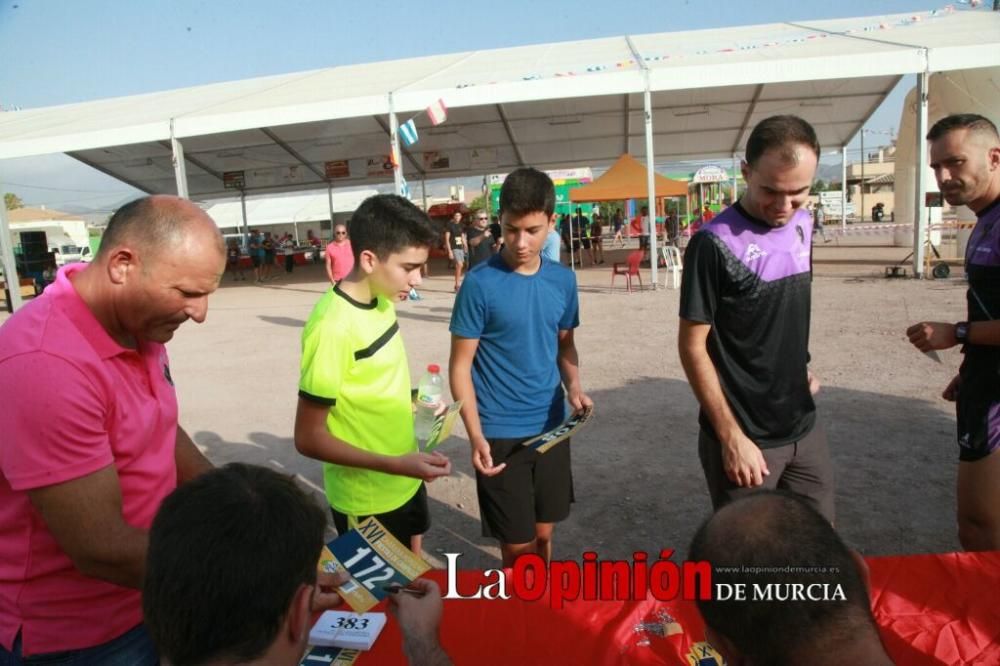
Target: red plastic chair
[[628, 269]]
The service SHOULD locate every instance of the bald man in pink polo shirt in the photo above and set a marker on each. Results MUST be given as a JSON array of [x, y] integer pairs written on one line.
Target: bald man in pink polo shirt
[[90, 443]]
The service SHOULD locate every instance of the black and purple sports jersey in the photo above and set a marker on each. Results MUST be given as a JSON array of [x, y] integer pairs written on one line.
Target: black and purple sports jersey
[[753, 283], [978, 408], [982, 265]]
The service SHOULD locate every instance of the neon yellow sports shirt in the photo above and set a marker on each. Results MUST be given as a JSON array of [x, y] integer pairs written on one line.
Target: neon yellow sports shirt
[[353, 360]]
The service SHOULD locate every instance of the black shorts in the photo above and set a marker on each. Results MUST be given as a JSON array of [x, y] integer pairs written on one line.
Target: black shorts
[[533, 488], [586, 243], [643, 242], [409, 520], [802, 467], [978, 422], [256, 260]]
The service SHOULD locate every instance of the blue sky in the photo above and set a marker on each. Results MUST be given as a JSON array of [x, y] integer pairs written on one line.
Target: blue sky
[[58, 52]]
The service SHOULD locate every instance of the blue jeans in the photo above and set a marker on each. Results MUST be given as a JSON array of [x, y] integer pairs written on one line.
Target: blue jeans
[[133, 648]]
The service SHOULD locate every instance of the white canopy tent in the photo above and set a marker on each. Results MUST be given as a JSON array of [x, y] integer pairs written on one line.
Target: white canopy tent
[[676, 95], [286, 208]]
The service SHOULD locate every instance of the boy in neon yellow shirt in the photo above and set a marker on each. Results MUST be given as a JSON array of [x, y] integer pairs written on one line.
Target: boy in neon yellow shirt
[[354, 411]]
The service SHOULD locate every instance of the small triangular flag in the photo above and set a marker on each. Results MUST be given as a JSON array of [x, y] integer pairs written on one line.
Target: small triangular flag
[[408, 132], [437, 112]]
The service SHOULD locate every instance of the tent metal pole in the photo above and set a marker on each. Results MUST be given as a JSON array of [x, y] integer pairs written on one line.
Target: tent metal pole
[[736, 190], [329, 203], [572, 251], [246, 226], [647, 99], [843, 189], [180, 168], [862, 211], [920, 191], [10, 276], [397, 166]]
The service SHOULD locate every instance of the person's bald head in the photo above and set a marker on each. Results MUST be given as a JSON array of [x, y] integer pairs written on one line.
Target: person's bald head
[[776, 539], [158, 223], [160, 258]]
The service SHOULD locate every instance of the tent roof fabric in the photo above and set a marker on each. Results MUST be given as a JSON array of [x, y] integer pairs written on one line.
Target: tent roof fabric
[[548, 105], [286, 209], [627, 179]]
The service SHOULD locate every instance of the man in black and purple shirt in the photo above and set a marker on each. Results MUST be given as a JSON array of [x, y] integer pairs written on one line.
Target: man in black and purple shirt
[[744, 328], [965, 156]]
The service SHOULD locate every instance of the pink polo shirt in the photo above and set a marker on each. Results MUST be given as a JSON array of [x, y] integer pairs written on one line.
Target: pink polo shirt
[[340, 258], [73, 401]]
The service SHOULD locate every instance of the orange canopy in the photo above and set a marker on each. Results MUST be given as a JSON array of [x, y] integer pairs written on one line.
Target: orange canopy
[[626, 179]]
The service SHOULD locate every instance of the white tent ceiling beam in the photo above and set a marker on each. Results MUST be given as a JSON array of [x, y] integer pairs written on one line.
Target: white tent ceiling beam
[[191, 159], [751, 107], [510, 134], [291, 151], [142, 187]]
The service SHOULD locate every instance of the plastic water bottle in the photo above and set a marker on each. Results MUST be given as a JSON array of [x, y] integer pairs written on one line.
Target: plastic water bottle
[[429, 393]]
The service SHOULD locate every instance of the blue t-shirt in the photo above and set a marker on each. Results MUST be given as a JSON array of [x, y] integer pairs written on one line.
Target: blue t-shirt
[[517, 319], [551, 248]]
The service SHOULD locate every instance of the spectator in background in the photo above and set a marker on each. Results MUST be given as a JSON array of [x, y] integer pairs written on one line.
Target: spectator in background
[[496, 232], [706, 214], [267, 266], [645, 226], [257, 255], [580, 227], [878, 212], [457, 244], [287, 246], [819, 218], [233, 256], [480, 240], [339, 254], [597, 240], [315, 244], [617, 222]]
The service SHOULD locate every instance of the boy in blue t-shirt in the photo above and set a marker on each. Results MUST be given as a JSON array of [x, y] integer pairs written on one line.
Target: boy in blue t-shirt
[[512, 356]]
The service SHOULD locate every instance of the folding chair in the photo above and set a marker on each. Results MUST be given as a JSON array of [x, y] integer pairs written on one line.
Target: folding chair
[[628, 269], [672, 262]]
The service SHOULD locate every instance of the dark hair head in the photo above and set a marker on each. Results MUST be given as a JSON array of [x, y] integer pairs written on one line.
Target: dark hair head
[[388, 223], [525, 191], [777, 132], [970, 121], [227, 553], [774, 531], [153, 223]]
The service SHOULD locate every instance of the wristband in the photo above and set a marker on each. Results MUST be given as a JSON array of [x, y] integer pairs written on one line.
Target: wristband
[[962, 332]]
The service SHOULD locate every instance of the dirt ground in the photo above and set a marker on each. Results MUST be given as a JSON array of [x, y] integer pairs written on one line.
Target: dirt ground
[[638, 482]]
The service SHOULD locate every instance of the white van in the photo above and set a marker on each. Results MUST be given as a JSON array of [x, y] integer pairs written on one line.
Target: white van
[[69, 254]]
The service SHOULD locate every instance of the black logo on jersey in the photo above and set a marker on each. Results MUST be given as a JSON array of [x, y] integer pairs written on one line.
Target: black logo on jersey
[[802, 234]]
